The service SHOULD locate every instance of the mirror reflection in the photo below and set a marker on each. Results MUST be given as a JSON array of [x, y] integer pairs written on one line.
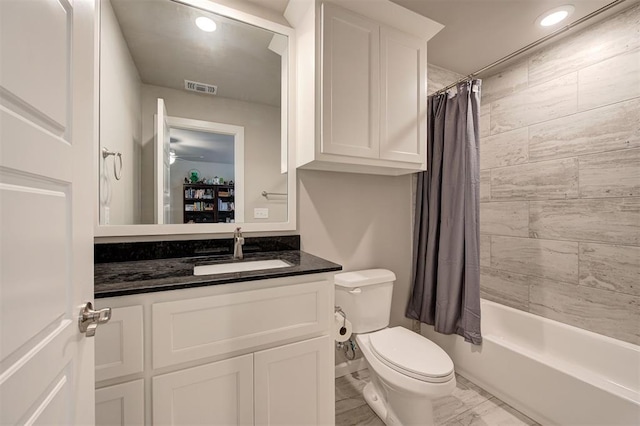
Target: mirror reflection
[[190, 117]]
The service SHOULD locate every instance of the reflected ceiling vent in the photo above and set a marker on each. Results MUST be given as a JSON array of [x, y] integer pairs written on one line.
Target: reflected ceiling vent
[[207, 89]]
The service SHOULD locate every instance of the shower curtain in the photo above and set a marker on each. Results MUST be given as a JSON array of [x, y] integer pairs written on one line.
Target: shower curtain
[[446, 264]]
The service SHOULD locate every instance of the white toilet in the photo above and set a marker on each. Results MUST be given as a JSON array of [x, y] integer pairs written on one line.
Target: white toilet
[[407, 370]]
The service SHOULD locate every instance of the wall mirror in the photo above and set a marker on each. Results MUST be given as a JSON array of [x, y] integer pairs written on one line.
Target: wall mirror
[[194, 132]]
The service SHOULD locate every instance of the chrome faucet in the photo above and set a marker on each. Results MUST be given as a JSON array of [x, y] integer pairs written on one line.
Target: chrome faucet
[[238, 242]]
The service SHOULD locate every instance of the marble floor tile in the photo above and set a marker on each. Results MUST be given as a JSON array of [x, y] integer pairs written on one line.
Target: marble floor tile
[[463, 398], [492, 412], [361, 416], [351, 385], [469, 404]]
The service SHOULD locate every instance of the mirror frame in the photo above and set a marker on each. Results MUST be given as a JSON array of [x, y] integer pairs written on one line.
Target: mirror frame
[[287, 112]]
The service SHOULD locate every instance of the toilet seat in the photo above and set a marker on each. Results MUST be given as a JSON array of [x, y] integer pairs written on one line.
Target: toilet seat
[[412, 354]]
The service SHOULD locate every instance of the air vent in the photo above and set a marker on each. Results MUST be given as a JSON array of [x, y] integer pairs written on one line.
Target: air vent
[[194, 86]]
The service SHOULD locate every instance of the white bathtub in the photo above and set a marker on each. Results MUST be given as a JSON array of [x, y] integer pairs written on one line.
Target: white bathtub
[[552, 372]]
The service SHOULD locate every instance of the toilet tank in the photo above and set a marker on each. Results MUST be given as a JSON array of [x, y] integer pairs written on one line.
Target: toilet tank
[[365, 297]]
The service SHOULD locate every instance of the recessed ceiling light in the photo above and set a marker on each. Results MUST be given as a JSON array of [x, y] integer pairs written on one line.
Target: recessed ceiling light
[[555, 15], [206, 24]]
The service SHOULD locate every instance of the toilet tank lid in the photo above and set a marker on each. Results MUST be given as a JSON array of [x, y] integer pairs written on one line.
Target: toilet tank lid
[[363, 278]]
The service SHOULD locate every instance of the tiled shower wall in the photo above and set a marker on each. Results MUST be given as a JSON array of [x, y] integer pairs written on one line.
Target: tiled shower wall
[[560, 181]]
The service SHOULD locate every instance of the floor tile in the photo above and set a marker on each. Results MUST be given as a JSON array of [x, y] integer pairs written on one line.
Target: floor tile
[[361, 416], [494, 413], [468, 405], [461, 400], [351, 385]]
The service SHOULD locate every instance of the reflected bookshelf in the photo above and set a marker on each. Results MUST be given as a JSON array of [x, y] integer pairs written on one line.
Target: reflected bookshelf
[[204, 203]]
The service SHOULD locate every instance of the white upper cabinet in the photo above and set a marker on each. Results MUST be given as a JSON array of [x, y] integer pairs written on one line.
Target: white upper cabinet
[[350, 84], [366, 109], [403, 99]]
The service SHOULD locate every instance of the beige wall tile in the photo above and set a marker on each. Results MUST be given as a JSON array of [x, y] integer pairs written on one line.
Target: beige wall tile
[[485, 185], [438, 78], [614, 220], [610, 267], [485, 250], [614, 80], [601, 311], [555, 179], [504, 149], [544, 258], [611, 174], [544, 102], [504, 287], [608, 128], [505, 218], [485, 120], [598, 42], [506, 82]]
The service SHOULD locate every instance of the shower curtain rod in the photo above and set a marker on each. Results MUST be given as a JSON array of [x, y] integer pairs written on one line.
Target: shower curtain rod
[[534, 44]]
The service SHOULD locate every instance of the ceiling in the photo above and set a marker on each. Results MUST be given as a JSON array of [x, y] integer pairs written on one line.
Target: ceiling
[[168, 48], [479, 32], [208, 147]]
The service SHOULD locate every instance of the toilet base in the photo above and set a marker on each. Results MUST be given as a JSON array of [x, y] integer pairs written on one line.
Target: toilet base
[[397, 399], [412, 412]]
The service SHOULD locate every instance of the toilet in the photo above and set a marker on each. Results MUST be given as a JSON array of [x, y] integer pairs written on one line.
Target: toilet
[[407, 370]]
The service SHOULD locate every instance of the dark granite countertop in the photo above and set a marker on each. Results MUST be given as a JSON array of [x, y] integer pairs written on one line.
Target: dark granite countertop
[[145, 276]]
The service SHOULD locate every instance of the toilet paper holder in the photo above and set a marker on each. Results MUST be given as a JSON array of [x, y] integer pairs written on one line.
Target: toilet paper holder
[[338, 309]]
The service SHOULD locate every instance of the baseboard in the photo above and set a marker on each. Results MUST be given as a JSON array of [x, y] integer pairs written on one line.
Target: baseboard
[[349, 367]]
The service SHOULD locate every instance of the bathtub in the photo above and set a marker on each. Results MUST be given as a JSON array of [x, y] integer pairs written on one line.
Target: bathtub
[[552, 372]]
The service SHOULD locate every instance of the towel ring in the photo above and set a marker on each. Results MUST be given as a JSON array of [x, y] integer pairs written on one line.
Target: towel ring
[[117, 168]]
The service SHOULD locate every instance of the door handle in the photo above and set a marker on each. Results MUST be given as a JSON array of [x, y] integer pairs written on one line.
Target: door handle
[[89, 320]]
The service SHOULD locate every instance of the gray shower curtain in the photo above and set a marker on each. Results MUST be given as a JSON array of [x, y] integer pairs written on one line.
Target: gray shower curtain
[[446, 264]]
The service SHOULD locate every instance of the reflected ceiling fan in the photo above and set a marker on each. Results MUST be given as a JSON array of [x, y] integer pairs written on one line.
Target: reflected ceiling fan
[[173, 157]]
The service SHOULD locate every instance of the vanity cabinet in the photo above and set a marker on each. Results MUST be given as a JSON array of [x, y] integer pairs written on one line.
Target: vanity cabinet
[[121, 404], [256, 352], [219, 393], [370, 61]]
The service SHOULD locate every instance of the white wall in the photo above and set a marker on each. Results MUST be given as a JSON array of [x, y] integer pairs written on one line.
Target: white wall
[[261, 144], [120, 122], [363, 221], [180, 170]]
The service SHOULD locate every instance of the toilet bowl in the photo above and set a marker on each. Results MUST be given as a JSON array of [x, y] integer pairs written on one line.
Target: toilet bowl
[[407, 370], [400, 393]]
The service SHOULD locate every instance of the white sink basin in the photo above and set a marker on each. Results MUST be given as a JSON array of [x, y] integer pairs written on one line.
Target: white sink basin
[[226, 268]]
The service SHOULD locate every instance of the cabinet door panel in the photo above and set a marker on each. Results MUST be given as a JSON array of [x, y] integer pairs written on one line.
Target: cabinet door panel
[[350, 83], [191, 329], [121, 404], [119, 344], [403, 97], [294, 384], [220, 393]]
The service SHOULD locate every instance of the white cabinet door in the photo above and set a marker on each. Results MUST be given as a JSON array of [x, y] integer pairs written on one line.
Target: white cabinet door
[[294, 384], [350, 83], [119, 344], [220, 393], [121, 404], [403, 113]]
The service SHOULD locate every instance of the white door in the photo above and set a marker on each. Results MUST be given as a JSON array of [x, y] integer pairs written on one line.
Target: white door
[[162, 166], [220, 393], [294, 384], [47, 129], [350, 83], [403, 101]]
